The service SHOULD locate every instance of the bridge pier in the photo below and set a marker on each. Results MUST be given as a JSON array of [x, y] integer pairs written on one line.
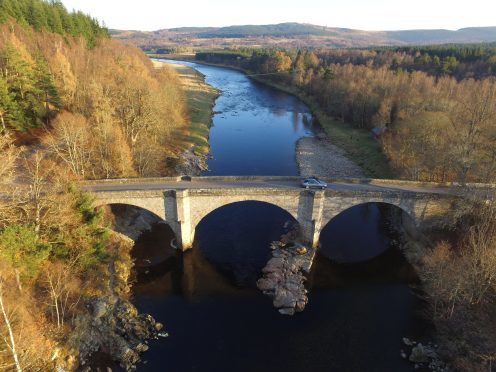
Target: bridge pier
[[310, 210], [178, 216]]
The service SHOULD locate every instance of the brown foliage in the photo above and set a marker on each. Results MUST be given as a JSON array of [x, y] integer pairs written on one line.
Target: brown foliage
[[460, 283], [114, 102]]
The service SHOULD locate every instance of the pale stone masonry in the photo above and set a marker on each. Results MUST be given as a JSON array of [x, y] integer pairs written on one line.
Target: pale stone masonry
[[184, 208]]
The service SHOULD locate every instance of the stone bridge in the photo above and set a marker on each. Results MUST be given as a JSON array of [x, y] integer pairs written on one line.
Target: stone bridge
[[183, 204]]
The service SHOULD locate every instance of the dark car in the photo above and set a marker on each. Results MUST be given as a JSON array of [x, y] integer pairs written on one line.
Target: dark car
[[313, 182]]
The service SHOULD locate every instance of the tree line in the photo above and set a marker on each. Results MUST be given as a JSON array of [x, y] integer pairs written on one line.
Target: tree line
[[103, 111], [439, 128], [52, 16]]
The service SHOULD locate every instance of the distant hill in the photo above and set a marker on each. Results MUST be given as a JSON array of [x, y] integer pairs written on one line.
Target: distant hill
[[297, 35], [464, 35]]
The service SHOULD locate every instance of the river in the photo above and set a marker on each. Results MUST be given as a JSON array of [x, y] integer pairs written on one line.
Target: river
[[254, 127], [361, 301]]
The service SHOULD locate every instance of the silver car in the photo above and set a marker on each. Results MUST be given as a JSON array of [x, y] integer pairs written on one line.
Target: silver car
[[313, 182]]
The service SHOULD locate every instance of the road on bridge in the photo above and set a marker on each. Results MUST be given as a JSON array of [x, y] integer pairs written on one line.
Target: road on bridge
[[261, 182]]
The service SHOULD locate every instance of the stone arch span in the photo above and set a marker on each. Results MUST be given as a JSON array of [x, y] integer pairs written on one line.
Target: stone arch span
[[335, 206], [201, 209], [153, 211], [235, 238], [147, 204], [338, 238]]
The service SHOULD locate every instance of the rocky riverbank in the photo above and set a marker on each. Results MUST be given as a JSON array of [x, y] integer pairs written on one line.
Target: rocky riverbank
[[111, 324], [284, 275], [317, 156], [192, 164]]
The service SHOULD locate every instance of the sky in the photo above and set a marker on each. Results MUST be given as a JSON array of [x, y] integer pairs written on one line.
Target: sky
[[148, 15]]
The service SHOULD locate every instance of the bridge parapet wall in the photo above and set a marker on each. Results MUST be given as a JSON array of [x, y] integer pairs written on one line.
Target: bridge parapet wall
[[365, 181]]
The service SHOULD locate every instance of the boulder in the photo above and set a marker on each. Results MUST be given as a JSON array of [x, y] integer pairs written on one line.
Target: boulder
[[419, 354], [284, 298], [99, 308], [287, 311]]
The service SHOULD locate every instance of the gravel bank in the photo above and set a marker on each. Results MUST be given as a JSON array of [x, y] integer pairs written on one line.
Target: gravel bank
[[320, 158]]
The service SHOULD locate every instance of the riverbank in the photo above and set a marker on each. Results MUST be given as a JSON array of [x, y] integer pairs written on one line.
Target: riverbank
[[357, 145], [317, 156], [200, 99]]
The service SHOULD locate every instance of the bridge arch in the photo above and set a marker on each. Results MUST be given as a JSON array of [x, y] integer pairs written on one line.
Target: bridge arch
[[200, 212], [142, 203], [369, 217], [335, 206], [132, 219]]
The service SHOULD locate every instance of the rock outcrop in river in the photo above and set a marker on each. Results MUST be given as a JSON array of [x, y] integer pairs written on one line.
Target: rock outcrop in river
[[284, 275]]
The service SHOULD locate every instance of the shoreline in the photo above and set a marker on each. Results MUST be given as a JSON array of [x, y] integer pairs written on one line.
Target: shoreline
[[320, 158], [200, 101]]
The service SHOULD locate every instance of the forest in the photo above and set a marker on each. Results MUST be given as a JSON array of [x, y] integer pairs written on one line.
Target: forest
[[436, 125], [74, 105], [52, 16], [125, 117]]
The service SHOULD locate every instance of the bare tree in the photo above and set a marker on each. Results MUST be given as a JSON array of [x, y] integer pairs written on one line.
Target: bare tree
[[10, 339], [70, 140], [61, 285], [43, 203], [9, 155]]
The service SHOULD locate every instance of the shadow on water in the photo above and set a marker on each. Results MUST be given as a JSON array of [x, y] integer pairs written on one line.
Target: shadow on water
[[217, 321]]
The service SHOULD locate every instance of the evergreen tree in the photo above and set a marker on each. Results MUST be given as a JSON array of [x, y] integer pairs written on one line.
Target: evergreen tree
[[9, 111], [54, 20], [37, 16], [46, 92]]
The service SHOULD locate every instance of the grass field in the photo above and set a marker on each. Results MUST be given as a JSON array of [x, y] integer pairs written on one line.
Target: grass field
[[200, 102]]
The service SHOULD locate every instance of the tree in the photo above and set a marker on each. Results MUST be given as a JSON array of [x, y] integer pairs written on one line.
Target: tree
[[134, 112], [10, 341], [45, 87], [21, 249], [70, 140], [54, 20], [36, 15], [44, 205], [61, 284], [9, 111], [472, 116], [9, 156]]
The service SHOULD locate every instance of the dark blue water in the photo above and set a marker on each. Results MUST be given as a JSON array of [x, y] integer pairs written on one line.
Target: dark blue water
[[218, 321], [254, 127]]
